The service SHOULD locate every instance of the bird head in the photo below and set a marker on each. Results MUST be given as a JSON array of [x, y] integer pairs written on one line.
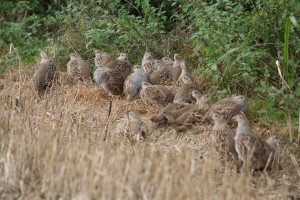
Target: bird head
[[147, 56], [206, 97], [166, 60], [196, 94], [274, 140], [137, 68], [133, 115], [186, 79], [145, 84], [98, 52], [240, 118], [240, 98], [217, 117], [123, 56], [74, 56], [44, 55], [183, 65], [177, 57]]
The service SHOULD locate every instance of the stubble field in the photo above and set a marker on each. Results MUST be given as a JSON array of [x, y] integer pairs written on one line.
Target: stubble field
[[53, 148]]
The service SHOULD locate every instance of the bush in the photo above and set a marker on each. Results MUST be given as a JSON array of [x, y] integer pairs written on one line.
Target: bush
[[234, 44]]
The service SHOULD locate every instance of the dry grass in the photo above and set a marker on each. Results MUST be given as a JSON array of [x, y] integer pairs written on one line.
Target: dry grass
[[52, 148]]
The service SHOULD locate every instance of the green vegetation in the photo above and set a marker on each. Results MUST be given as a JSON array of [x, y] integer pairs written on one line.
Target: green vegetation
[[235, 44]]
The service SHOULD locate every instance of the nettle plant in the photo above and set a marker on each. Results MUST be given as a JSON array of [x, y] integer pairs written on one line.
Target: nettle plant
[[237, 45]]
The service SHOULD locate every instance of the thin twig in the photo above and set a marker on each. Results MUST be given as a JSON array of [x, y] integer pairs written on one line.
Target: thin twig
[[107, 121], [289, 123], [298, 139]]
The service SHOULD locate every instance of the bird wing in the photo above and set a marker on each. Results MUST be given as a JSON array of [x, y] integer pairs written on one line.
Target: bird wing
[[114, 82]]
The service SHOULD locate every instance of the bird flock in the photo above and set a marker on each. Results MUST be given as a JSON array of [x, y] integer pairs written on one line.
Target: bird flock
[[167, 86]]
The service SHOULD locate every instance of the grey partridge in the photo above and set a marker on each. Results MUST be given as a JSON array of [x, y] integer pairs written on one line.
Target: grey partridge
[[223, 138], [78, 69], [253, 151], [155, 96], [102, 58], [182, 94], [45, 73], [121, 65], [148, 63], [136, 128], [110, 80], [228, 107], [196, 113], [176, 69]]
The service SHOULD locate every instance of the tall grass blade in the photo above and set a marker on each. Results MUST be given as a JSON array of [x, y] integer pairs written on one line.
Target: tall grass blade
[[286, 45]]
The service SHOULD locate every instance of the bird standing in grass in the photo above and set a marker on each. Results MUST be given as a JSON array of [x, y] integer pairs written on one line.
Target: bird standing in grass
[[78, 70], [148, 63], [253, 151], [136, 128], [176, 69], [45, 73], [223, 138], [182, 94]]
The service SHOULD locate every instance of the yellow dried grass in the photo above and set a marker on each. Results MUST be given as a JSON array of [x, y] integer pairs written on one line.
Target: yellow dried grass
[[51, 148]]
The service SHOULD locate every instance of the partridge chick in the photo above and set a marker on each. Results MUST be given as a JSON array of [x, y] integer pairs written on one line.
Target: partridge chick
[[102, 58], [274, 142], [182, 94], [78, 69], [155, 96], [148, 63], [195, 114], [121, 65], [251, 149], [176, 69], [110, 80], [136, 128], [223, 138], [45, 73], [229, 107]]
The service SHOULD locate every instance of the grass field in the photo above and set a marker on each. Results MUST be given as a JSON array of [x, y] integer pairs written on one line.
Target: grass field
[[52, 148]]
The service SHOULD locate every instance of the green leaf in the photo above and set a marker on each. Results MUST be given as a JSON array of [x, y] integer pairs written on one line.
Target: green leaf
[[286, 44], [297, 91]]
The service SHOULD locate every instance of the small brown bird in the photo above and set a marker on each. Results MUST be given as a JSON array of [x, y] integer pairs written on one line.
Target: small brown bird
[[162, 76], [251, 149], [45, 73], [165, 62], [110, 80], [223, 138], [182, 94], [155, 96], [102, 58], [136, 128], [184, 72], [148, 63], [274, 142], [176, 69], [120, 65], [162, 116], [195, 114], [228, 107], [78, 70]]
